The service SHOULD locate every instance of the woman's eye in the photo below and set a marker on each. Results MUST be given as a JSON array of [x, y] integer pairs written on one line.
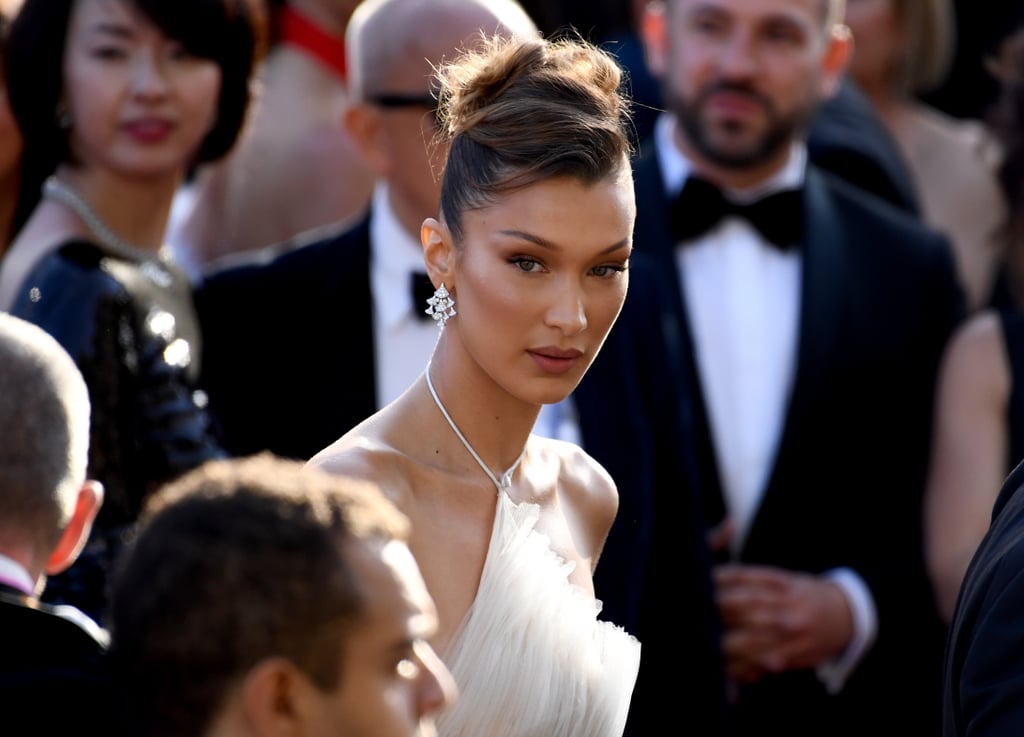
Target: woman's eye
[[109, 52], [526, 264], [609, 269]]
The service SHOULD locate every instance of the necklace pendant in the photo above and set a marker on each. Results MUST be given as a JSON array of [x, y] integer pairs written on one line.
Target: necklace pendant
[[506, 479], [156, 274]]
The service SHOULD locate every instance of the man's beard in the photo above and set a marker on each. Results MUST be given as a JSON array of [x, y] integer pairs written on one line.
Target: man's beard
[[779, 134]]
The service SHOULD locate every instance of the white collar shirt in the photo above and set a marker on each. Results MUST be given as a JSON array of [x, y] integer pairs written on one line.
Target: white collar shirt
[[743, 301], [15, 575], [742, 298], [403, 342]]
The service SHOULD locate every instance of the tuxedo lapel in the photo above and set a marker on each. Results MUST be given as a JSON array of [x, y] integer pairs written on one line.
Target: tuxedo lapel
[[653, 235], [823, 273], [821, 280], [823, 264]]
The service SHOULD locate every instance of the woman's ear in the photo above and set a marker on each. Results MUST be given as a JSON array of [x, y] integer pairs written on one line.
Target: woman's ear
[[438, 253]]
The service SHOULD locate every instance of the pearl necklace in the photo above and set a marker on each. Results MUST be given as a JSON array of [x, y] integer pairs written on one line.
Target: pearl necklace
[[506, 478], [62, 192]]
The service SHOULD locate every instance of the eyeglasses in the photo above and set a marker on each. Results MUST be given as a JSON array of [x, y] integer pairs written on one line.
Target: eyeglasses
[[399, 100]]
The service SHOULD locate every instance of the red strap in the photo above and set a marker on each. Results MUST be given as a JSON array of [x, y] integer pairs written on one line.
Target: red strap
[[298, 30]]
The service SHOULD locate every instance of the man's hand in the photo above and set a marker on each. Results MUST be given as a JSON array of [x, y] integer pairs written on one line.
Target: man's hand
[[777, 620]]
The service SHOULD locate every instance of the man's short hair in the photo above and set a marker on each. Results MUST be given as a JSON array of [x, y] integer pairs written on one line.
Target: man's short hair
[[238, 561], [44, 413]]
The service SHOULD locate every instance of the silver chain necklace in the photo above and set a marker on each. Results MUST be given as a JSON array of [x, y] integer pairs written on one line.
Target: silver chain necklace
[[506, 478], [61, 192]]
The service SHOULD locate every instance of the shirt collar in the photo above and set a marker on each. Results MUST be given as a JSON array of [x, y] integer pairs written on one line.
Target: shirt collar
[[675, 167], [394, 255], [16, 575]]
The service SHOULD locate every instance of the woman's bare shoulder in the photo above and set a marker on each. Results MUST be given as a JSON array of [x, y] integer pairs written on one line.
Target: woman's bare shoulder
[[969, 142], [587, 495], [365, 454], [581, 479]]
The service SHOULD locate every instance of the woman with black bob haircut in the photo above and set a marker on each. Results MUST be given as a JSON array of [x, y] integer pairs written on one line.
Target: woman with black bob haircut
[[117, 101], [232, 33]]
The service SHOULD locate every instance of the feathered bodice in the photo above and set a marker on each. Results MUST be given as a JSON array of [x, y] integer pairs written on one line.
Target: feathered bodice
[[530, 658]]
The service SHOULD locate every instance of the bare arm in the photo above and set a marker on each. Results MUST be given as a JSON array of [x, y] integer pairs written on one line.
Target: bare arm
[[969, 452]]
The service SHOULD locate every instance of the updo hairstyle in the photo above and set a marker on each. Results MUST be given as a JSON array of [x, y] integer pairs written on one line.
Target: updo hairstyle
[[517, 111]]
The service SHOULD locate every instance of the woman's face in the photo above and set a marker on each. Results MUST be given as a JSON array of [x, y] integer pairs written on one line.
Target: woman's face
[[139, 103], [877, 42], [540, 279]]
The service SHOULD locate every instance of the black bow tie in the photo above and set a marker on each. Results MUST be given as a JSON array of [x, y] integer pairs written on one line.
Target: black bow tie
[[422, 290], [701, 205]]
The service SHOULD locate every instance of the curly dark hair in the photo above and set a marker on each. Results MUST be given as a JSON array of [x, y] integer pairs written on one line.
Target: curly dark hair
[[237, 561]]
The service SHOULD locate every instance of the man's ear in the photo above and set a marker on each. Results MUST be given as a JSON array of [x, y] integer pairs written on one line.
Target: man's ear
[[362, 122], [275, 698], [75, 535], [438, 253], [836, 60], [653, 31]]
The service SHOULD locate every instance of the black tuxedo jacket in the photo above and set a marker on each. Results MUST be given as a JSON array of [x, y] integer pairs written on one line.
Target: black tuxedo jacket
[[983, 693], [288, 353], [53, 671], [879, 298], [653, 576]]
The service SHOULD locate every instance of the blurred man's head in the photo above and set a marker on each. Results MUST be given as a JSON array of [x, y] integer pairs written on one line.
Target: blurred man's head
[[744, 79], [393, 47], [260, 593], [47, 505]]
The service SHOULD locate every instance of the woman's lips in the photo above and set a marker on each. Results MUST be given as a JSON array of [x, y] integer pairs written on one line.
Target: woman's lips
[[148, 131], [556, 360]]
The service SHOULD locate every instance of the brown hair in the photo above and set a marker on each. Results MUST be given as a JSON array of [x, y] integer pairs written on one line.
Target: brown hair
[[238, 561], [930, 30], [517, 111]]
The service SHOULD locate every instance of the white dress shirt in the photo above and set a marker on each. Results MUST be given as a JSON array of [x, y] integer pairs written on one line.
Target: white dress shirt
[[403, 342], [15, 575], [742, 298]]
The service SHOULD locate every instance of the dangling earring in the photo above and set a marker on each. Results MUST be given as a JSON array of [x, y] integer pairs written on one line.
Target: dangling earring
[[62, 116], [442, 306]]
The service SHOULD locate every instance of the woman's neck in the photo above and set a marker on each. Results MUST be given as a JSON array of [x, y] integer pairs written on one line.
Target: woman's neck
[[136, 210], [493, 422]]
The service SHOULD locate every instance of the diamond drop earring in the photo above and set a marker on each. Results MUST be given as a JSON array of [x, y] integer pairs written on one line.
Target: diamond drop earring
[[442, 306]]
